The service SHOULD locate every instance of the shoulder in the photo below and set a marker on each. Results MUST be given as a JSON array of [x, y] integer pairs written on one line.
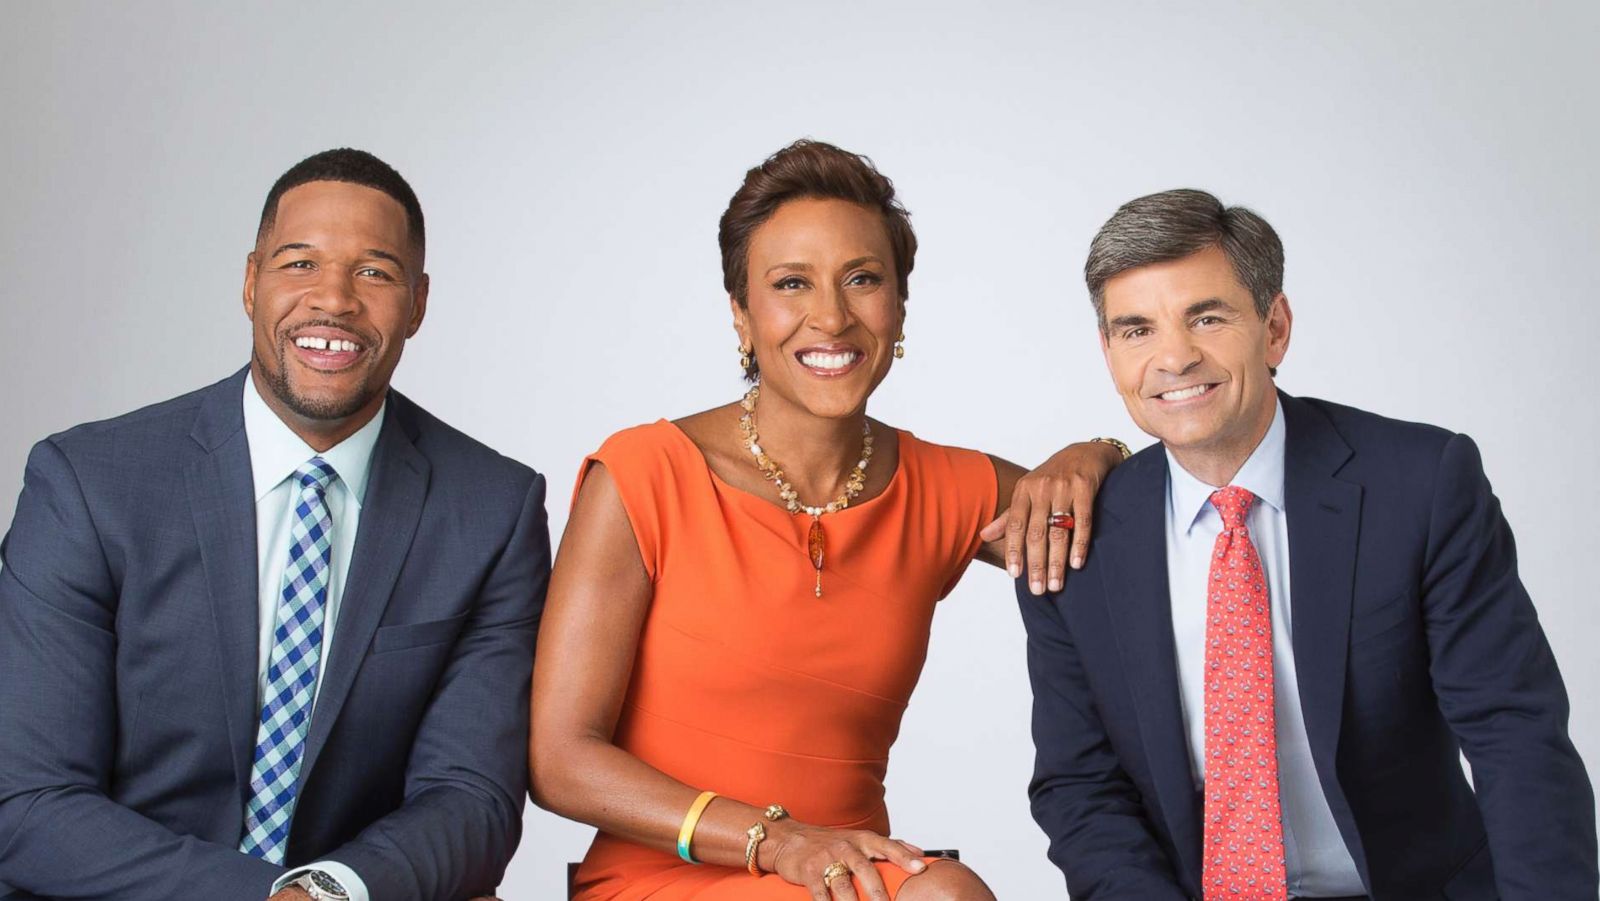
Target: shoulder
[[1365, 430], [456, 456], [647, 441], [166, 421], [932, 457]]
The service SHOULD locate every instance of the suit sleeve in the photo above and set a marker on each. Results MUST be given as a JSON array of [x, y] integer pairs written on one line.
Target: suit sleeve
[[468, 774], [1500, 690], [1086, 804], [61, 836]]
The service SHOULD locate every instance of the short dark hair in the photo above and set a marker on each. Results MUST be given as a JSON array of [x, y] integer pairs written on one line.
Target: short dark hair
[[1174, 224], [809, 169], [356, 167]]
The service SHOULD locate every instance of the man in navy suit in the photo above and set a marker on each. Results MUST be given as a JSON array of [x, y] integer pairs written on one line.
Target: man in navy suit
[[274, 637], [1294, 618]]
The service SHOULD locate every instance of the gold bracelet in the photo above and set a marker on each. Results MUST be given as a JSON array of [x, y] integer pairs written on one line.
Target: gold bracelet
[[691, 820], [757, 834], [1126, 453]]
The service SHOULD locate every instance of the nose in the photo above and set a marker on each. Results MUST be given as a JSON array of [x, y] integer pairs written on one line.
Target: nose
[[830, 312], [334, 294], [1177, 353]]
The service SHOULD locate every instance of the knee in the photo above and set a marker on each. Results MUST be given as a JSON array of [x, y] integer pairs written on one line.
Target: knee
[[946, 880]]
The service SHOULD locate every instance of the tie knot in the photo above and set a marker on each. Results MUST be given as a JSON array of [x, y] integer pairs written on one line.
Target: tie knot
[[316, 474], [1234, 504]]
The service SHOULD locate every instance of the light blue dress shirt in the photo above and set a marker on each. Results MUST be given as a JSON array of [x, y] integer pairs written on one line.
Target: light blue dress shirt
[[275, 453], [1318, 864]]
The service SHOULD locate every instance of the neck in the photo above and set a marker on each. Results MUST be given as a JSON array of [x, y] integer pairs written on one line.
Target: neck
[[816, 453], [1216, 465], [319, 434]]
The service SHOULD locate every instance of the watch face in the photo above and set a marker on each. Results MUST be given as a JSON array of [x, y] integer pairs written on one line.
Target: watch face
[[326, 883]]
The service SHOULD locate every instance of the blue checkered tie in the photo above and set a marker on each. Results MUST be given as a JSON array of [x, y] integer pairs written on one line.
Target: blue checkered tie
[[292, 668]]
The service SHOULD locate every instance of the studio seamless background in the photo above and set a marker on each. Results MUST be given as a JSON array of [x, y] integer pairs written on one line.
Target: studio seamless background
[[1429, 166]]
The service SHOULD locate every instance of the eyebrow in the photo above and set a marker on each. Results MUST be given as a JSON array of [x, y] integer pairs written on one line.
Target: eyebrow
[[1210, 304], [807, 267], [371, 252], [1129, 321]]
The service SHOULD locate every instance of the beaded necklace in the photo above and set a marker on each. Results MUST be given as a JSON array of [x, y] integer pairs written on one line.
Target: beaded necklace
[[815, 543]]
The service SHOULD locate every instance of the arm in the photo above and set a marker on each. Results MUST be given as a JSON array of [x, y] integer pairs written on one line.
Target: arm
[[462, 815], [1021, 535], [1499, 688], [1085, 803], [60, 835], [599, 595]]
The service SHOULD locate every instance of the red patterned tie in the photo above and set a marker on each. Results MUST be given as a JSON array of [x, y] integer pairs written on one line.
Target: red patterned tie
[[1243, 827]]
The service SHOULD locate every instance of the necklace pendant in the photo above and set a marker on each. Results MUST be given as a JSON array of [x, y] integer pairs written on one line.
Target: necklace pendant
[[817, 545]]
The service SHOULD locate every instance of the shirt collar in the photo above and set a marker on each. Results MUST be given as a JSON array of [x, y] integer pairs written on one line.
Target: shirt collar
[[276, 451], [1261, 475]]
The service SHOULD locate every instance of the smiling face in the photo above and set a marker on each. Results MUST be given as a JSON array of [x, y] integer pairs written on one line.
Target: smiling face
[[823, 306], [1190, 355], [333, 290]]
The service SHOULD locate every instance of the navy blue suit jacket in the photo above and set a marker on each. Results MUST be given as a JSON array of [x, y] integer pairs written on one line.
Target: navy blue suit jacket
[[1414, 641], [128, 671]]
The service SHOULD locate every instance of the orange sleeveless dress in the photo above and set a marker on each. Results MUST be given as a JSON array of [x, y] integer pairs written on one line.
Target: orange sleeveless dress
[[749, 685]]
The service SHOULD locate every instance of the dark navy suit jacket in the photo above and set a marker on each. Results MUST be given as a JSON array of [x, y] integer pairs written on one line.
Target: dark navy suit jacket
[[128, 671], [1414, 641]]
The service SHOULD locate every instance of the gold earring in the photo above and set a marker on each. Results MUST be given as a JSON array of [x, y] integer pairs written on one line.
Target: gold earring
[[744, 358], [900, 346]]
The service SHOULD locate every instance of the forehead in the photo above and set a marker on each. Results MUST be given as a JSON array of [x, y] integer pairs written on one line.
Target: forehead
[[813, 230], [1202, 275], [332, 213]]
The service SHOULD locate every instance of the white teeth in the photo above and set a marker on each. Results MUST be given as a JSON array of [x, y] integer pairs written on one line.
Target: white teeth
[[828, 360], [1186, 393], [337, 344]]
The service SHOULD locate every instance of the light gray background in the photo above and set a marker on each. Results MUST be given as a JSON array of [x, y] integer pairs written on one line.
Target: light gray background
[[1429, 165]]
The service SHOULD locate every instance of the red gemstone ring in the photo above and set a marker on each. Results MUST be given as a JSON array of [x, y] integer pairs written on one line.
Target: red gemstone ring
[[1062, 521]]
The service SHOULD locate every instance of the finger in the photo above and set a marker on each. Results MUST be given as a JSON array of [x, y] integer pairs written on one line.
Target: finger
[[1016, 526], [1038, 538], [1060, 541], [1083, 525], [843, 888], [865, 873], [915, 851], [818, 891], [994, 531], [900, 854]]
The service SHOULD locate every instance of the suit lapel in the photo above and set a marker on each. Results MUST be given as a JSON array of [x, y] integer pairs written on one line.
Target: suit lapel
[[1139, 603], [1324, 515], [223, 507], [395, 492]]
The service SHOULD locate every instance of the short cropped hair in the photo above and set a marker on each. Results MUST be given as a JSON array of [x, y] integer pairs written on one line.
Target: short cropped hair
[[815, 170], [1174, 224], [356, 167]]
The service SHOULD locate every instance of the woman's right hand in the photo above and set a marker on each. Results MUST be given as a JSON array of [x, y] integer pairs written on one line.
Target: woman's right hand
[[803, 854]]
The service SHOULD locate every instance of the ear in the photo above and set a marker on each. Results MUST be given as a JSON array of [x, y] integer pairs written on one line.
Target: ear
[[1280, 323], [741, 322], [251, 270], [419, 304]]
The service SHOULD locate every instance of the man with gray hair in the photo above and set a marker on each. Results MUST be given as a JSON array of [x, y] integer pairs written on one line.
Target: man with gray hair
[[1225, 706]]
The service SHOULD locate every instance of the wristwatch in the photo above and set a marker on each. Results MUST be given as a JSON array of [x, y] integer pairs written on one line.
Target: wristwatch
[[322, 887]]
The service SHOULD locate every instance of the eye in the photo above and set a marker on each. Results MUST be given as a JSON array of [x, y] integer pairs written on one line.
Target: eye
[[299, 264], [1208, 319], [792, 283], [865, 278], [374, 272], [1136, 333]]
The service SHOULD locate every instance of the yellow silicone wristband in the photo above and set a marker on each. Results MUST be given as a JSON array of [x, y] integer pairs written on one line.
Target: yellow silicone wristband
[[691, 820]]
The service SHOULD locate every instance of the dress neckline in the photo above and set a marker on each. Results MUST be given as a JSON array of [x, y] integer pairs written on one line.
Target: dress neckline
[[894, 479]]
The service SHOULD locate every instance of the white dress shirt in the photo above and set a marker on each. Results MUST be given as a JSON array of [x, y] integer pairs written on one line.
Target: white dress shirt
[[1318, 864], [275, 453]]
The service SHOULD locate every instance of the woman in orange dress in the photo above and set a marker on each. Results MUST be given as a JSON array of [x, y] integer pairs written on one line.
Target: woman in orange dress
[[742, 601]]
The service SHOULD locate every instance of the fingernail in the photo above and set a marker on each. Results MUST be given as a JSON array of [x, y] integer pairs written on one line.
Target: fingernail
[[1036, 586], [1077, 562], [917, 866], [1055, 584], [1015, 570]]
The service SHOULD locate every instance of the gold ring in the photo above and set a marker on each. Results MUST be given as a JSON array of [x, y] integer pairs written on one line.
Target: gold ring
[[834, 871]]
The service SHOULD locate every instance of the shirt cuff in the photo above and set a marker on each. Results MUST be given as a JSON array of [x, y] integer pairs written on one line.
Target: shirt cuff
[[353, 886]]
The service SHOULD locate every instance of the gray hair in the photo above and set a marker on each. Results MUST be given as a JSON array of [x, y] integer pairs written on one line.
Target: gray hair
[[1174, 224]]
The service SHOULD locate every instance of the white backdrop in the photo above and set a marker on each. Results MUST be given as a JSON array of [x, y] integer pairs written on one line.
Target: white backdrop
[[1430, 167]]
